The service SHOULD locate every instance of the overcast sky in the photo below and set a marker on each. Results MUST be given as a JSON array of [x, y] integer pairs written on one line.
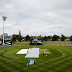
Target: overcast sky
[[36, 17]]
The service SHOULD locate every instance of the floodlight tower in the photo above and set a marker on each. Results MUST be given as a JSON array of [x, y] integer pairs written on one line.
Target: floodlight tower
[[4, 18]]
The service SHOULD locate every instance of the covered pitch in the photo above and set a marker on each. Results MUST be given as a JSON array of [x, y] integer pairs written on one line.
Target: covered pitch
[[30, 53], [33, 53], [22, 51]]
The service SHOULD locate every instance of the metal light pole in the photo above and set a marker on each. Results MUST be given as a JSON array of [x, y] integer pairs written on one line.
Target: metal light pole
[[4, 18]]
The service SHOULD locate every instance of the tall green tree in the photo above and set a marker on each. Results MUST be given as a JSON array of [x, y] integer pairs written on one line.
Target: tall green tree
[[63, 37], [40, 38], [71, 38], [27, 38], [19, 36], [45, 38], [19, 33], [31, 38], [55, 38], [13, 38], [49, 37]]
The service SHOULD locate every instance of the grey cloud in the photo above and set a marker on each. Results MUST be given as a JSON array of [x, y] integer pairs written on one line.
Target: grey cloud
[[57, 27], [45, 17]]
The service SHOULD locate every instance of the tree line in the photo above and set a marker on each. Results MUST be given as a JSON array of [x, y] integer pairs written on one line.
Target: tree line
[[19, 37]]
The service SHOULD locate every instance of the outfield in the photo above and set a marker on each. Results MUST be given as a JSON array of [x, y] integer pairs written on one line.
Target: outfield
[[54, 62], [69, 43]]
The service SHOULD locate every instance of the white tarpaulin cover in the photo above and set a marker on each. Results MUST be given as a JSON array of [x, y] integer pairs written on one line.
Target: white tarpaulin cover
[[32, 56], [33, 53], [22, 51]]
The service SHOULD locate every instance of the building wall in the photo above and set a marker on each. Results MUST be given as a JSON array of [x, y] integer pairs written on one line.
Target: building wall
[[6, 37]]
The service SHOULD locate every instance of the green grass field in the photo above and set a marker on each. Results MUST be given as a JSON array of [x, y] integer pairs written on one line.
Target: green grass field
[[54, 62], [69, 43], [21, 43]]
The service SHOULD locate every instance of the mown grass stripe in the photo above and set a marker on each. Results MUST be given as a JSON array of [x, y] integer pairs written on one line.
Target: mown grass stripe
[[52, 63], [11, 65]]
